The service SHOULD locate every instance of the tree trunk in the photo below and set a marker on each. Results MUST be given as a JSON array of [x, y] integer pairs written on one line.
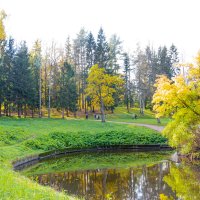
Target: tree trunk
[[141, 106], [19, 110], [102, 111], [5, 109], [67, 112], [86, 107], [40, 96], [49, 104], [32, 113], [25, 111], [9, 110], [63, 113], [127, 105], [0, 110]]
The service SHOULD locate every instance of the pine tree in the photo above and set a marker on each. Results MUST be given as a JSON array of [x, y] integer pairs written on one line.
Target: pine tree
[[173, 56], [90, 50], [114, 53], [102, 51], [127, 71], [21, 79], [81, 66], [35, 65], [2, 51], [67, 92], [8, 65]]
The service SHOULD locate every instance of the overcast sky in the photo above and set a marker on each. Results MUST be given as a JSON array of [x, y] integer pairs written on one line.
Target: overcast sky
[[156, 22]]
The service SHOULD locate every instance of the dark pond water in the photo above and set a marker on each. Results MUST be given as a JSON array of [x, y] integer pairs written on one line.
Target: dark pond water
[[119, 176]]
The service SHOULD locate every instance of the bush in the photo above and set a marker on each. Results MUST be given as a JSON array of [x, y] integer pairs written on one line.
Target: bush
[[60, 140]]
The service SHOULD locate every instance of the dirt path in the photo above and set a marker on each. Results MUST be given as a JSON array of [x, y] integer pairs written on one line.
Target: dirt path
[[154, 127]]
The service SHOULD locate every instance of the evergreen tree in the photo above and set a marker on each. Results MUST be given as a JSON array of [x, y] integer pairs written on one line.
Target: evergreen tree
[[67, 93], [173, 56], [8, 66], [68, 51], [2, 74], [81, 66], [21, 79], [102, 52], [90, 50], [127, 72], [35, 65], [2, 51], [114, 53]]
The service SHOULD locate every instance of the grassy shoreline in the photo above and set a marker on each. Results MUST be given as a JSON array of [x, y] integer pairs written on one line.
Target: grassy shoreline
[[24, 137]]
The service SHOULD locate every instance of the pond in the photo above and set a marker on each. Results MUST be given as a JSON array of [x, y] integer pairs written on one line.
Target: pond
[[119, 176]]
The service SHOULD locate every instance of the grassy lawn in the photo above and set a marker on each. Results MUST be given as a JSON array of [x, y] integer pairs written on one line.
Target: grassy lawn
[[121, 115], [24, 137]]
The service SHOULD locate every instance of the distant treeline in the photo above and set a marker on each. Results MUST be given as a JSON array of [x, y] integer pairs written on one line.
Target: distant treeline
[[34, 81]]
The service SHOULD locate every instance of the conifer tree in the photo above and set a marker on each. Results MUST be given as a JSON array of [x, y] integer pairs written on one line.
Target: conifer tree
[[102, 51], [21, 79]]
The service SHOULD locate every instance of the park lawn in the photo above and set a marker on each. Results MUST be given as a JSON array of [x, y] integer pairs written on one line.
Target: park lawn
[[121, 115], [24, 137]]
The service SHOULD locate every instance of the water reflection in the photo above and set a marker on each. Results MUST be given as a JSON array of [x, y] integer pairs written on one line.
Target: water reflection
[[120, 179], [184, 179], [132, 183]]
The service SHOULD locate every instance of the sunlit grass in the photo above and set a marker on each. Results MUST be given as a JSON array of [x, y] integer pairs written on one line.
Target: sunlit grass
[[24, 137]]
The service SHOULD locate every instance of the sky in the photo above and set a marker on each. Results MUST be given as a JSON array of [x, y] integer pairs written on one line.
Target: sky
[[154, 22]]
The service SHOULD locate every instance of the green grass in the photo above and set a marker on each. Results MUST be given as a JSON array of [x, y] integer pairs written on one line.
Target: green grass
[[121, 115], [25, 137], [16, 186]]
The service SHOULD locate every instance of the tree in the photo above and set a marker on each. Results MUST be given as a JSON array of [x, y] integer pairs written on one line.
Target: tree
[[101, 88], [81, 66], [68, 51], [179, 98], [90, 50], [115, 49], [141, 78], [21, 79], [127, 77], [67, 93], [35, 65], [102, 51], [2, 51], [8, 75], [2, 29], [173, 56]]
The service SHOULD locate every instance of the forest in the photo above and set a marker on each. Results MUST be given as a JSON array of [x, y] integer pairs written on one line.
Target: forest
[[35, 81]]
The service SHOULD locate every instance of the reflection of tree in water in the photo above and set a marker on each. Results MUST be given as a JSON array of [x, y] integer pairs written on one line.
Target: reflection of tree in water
[[184, 181], [134, 183]]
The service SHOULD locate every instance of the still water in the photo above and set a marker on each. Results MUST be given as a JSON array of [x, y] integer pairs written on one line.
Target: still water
[[119, 176]]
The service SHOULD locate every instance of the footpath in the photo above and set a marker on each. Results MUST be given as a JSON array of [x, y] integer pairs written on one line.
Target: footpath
[[154, 127]]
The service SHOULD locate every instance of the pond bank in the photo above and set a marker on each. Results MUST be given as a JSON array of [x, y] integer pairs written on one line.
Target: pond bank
[[19, 164], [20, 138]]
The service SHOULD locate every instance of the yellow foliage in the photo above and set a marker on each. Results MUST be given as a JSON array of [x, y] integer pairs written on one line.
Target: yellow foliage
[[163, 197], [2, 29], [179, 98], [102, 86], [184, 180]]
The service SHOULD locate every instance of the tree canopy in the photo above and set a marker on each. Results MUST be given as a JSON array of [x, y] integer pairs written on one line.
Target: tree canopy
[[101, 87], [179, 98]]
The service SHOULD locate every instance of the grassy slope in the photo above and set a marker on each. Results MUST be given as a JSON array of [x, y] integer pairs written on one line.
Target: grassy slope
[[21, 137], [121, 114]]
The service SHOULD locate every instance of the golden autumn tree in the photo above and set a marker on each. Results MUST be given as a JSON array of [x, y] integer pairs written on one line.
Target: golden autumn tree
[[179, 99], [2, 29], [101, 87]]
